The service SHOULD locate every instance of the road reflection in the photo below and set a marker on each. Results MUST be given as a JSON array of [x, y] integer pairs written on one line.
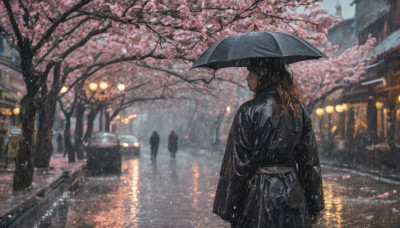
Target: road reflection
[[180, 193], [132, 179], [195, 192], [333, 206]]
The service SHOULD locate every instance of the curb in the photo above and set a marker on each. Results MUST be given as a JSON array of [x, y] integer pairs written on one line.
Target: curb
[[36, 203], [373, 175]]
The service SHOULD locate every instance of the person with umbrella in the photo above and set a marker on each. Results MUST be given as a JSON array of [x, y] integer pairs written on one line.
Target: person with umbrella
[[270, 175]]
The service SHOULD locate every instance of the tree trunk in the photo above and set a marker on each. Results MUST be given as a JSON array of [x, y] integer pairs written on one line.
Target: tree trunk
[[67, 139], [80, 111], [39, 153], [91, 116], [23, 173], [44, 145]]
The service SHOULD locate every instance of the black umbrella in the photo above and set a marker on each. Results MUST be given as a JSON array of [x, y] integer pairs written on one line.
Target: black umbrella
[[235, 51]]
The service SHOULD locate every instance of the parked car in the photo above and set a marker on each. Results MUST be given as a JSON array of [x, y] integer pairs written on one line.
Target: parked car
[[103, 154], [129, 144]]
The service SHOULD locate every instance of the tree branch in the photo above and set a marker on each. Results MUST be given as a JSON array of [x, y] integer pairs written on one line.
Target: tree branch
[[56, 23]]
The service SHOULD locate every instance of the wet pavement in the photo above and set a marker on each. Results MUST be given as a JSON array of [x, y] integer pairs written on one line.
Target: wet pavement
[[180, 193]]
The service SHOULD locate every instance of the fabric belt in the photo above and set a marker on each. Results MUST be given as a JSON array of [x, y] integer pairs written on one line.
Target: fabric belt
[[274, 170], [271, 170]]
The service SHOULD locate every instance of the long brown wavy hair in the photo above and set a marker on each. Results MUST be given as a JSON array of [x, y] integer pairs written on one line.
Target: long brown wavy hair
[[272, 72]]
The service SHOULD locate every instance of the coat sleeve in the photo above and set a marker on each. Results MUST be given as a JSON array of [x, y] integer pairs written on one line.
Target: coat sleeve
[[235, 169], [309, 166]]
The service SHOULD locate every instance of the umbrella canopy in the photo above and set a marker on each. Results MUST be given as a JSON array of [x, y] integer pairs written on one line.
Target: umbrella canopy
[[235, 51]]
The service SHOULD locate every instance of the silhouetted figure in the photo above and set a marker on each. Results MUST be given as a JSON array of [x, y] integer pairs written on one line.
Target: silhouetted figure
[[59, 143], [172, 143], [154, 143]]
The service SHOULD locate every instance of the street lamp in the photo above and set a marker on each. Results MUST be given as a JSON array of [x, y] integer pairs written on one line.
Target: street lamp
[[63, 90], [379, 106], [329, 109], [345, 106], [228, 110], [93, 86], [320, 112], [103, 97], [121, 87], [103, 85], [16, 110], [339, 108]]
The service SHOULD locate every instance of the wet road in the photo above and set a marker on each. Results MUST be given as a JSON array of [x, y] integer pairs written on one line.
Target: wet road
[[180, 194]]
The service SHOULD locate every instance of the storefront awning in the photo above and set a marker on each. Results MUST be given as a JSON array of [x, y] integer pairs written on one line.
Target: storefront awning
[[390, 43], [369, 12], [372, 82], [7, 94]]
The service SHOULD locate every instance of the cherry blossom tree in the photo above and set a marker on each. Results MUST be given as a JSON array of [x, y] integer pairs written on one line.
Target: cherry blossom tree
[[322, 77], [55, 35]]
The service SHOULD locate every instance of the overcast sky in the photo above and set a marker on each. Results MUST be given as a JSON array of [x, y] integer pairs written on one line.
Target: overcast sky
[[347, 10]]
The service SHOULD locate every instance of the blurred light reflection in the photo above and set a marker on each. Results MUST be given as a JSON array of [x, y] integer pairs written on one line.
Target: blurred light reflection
[[195, 192], [333, 206]]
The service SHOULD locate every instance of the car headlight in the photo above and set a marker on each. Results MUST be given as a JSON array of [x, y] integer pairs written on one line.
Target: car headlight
[[136, 144], [125, 144]]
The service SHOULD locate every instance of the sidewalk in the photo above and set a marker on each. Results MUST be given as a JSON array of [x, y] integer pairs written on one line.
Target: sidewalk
[[47, 184], [384, 175]]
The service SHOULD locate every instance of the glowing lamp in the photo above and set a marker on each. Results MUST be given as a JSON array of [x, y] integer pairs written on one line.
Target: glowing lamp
[[103, 85], [63, 90], [339, 108], [379, 105], [121, 87], [345, 106], [16, 110], [93, 86], [329, 109], [319, 111]]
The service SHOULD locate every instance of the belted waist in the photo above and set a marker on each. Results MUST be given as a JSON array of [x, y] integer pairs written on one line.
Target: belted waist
[[271, 170], [274, 170]]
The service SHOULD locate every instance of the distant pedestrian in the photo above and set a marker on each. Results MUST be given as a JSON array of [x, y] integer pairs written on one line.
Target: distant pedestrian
[[154, 143], [59, 143], [172, 143]]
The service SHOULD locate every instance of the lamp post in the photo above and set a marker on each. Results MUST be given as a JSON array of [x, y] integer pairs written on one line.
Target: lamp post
[[320, 112], [380, 128], [102, 96], [341, 125], [329, 109], [16, 111]]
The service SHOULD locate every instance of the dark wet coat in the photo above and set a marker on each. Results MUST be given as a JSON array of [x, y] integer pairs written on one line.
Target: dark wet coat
[[154, 140], [260, 137], [172, 142]]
